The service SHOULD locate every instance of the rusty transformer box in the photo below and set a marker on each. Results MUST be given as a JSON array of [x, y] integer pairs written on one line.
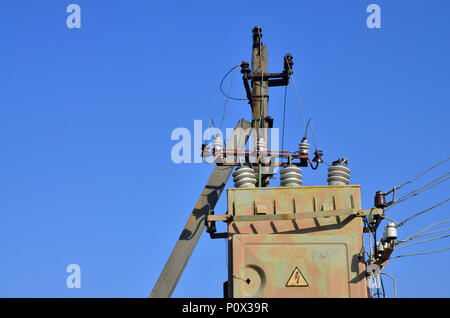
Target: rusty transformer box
[[295, 242]]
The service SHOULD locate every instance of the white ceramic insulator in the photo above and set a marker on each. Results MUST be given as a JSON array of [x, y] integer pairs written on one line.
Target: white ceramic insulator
[[244, 177], [218, 149], [304, 146], [291, 176], [217, 145], [262, 149], [391, 231], [338, 175]]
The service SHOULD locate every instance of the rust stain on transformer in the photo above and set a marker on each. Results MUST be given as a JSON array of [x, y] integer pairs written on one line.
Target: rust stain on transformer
[[264, 253]]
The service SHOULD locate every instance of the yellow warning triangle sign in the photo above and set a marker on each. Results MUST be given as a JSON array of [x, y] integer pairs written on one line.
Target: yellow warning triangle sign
[[297, 279]]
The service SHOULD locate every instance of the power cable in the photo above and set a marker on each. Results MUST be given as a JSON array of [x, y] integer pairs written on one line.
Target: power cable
[[382, 287], [312, 130], [420, 174], [424, 234], [284, 117], [226, 101], [393, 280], [436, 251], [370, 239], [221, 83], [419, 213], [424, 241], [385, 217], [423, 230], [418, 190], [363, 250], [211, 121], [298, 95]]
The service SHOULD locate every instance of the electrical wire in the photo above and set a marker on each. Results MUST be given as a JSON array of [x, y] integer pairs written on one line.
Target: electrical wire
[[422, 188], [298, 95], [425, 234], [211, 120], [424, 241], [374, 234], [371, 234], [370, 237], [425, 187], [418, 190], [422, 173], [378, 282], [382, 287], [374, 239], [226, 101], [284, 117], [312, 130], [385, 217], [419, 213], [393, 280], [363, 250], [423, 230], [221, 83], [436, 251]]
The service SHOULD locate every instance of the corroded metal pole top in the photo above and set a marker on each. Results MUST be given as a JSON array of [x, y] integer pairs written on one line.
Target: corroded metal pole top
[[257, 35]]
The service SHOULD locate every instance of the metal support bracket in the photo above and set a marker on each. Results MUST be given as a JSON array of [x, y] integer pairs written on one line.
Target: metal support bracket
[[195, 225], [293, 216]]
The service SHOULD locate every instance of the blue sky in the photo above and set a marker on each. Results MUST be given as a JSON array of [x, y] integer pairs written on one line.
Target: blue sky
[[86, 115]]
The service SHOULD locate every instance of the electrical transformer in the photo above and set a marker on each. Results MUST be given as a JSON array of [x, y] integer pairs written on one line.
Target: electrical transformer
[[295, 242]]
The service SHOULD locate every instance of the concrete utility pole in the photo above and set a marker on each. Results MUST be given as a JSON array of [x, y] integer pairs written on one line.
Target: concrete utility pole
[[260, 86], [260, 97]]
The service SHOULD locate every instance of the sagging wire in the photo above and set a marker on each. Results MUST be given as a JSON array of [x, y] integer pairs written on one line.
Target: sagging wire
[[419, 213], [317, 153], [284, 117], [392, 220], [424, 234], [417, 191], [227, 96], [312, 130], [424, 241], [393, 280], [418, 234], [298, 95], [420, 174], [424, 253], [221, 83]]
